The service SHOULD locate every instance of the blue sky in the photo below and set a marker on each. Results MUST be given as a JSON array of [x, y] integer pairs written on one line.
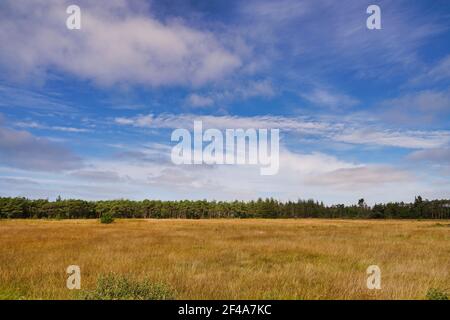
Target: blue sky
[[89, 113]]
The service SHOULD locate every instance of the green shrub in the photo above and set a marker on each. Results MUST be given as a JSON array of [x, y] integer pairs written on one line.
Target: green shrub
[[119, 287], [8, 294], [106, 218], [436, 294]]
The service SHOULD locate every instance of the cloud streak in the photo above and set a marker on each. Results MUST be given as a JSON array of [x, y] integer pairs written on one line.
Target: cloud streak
[[347, 132]]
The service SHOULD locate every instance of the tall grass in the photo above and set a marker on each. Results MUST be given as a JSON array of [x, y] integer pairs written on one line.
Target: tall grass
[[227, 259]]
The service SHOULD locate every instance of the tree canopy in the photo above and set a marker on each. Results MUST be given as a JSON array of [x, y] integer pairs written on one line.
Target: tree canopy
[[187, 209]]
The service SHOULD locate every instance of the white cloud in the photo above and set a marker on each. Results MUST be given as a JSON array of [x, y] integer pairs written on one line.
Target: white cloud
[[117, 44], [125, 121], [223, 181], [422, 107], [329, 99], [438, 155], [313, 175], [262, 88], [301, 175], [20, 149], [97, 175], [36, 125], [199, 101], [417, 107], [364, 176], [427, 100], [279, 11]]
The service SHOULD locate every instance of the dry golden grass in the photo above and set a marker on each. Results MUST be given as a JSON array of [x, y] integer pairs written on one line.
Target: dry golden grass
[[229, 259]]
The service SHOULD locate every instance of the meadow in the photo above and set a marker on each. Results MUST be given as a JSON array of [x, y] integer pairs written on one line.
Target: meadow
[[228, 258]]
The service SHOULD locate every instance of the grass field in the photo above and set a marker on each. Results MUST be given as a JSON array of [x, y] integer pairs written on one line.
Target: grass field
[[229, 259]]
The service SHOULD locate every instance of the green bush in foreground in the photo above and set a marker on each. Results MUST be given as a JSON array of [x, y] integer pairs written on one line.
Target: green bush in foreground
[[106, 218], [436, 294], [119, 287], [6, 294]]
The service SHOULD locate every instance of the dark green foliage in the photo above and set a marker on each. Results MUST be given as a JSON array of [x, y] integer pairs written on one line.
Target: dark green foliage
[[119, 287], [436, 294], [106, 218], [262, 208]]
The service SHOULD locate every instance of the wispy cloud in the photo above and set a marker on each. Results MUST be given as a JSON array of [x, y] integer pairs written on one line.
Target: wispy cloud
[[240, 91], [322, 97], [436, 73], [402, 139], [283, 10], [349, 132], [316, 39], [14, 97], [36, 125]]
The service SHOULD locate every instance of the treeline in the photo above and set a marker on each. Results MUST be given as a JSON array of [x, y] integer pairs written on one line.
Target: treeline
[[269, 208]]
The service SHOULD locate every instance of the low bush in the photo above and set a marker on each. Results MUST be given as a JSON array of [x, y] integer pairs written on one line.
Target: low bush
[[119, 287], [436, 294], [106, 218]]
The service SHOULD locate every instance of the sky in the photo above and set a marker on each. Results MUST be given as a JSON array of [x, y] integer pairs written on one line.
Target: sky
[[89, 113]]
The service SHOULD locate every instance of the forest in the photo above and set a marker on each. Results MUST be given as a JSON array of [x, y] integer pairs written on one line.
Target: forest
[[20, 208]]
